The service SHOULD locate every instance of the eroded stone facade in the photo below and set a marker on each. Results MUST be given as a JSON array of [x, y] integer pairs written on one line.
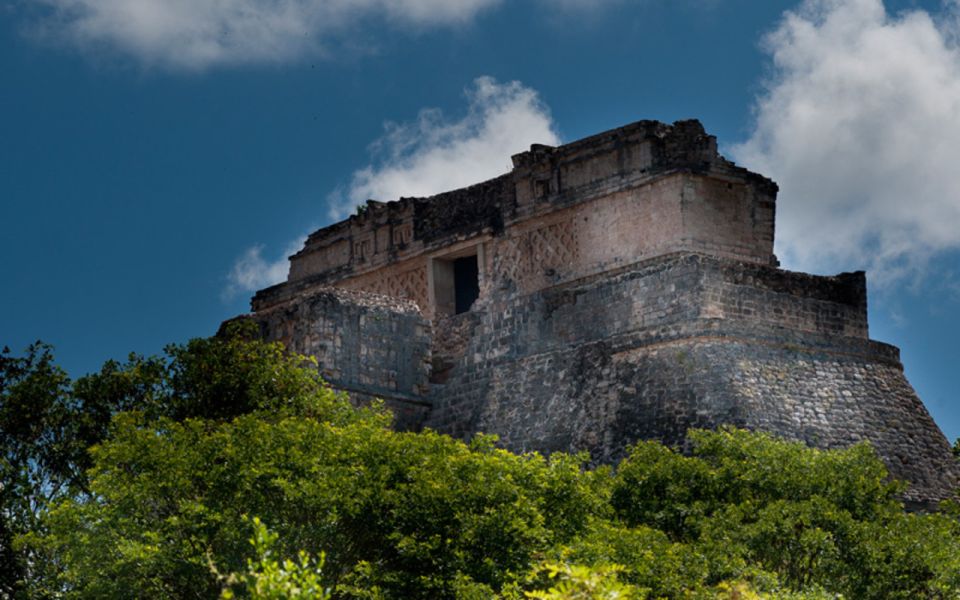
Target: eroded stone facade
[[618, 288]]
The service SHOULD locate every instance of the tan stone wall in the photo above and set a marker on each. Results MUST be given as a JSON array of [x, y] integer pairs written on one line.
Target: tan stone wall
[[607, 233], [669, 214], [725, 218], [370, 346], [681, 212], [382, 235], [632, 225], [402, 280], [603, 202], [320, 258]]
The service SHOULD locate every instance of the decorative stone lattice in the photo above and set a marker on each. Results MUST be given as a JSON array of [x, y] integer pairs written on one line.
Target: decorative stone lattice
[[538, 257], [410, 284]]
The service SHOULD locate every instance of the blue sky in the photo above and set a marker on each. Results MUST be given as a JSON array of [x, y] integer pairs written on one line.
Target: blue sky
[[158, 158]]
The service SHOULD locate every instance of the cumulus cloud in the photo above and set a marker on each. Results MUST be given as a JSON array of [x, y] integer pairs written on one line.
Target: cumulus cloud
[[196, 34], [860, 125], [252, 272], [434, 154]]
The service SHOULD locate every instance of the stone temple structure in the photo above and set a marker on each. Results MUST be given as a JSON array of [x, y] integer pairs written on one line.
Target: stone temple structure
[[617, 288]]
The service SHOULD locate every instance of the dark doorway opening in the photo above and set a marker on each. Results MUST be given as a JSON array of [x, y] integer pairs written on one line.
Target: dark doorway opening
[[466, 282]]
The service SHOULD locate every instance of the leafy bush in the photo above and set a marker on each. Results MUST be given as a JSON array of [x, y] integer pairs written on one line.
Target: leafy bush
[[266, 578]]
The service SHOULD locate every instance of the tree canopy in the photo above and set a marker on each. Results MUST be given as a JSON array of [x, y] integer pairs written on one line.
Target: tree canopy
[[227, 468]]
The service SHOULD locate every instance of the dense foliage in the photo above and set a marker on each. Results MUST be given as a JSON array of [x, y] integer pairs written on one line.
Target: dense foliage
[[151, 479]]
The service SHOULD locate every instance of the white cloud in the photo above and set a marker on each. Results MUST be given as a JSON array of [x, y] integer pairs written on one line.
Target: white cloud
[[196, 34], [252, 272], [425, 157], [433, 154], [860, 126]]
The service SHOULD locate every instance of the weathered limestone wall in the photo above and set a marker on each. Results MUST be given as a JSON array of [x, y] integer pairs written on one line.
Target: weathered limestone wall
[[676, 288], [600, 398], [689, 341], [834, 306], [627, 290], [408, 279], [678, 212], [670, 214], [371, 346], [640, 191]]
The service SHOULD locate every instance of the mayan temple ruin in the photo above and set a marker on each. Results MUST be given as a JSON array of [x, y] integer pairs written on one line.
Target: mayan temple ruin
[[617, 288]]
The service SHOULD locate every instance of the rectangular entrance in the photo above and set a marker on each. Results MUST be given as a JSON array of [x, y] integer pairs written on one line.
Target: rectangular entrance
[[466, 283], [456, 282]]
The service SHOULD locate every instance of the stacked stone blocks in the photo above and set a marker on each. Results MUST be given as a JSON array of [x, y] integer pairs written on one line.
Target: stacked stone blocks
[[627, 290]]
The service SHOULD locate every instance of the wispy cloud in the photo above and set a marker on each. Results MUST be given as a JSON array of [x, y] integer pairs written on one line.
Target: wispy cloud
[[197, 34], [424, 157], [434, 154], [252, 272], [859, 125]]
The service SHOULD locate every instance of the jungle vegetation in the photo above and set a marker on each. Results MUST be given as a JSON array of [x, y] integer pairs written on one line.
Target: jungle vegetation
[[226, 468]]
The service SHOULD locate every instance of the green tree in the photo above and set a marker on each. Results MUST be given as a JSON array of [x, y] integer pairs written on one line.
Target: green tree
[[408, 514], [48, 423], [136, 481], [579, 582], [42, 456], [811, 518], [215, 378]]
